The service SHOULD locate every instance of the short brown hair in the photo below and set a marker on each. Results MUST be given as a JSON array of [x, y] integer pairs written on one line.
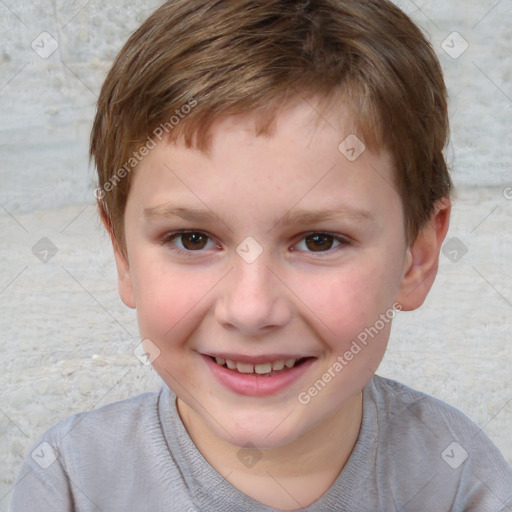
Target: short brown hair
[[225, 57]]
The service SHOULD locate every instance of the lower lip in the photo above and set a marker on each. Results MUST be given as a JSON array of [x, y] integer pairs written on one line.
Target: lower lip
[[251, 384]]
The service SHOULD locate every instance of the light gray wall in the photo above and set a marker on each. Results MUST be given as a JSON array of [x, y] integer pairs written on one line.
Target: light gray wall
[[47, 104]]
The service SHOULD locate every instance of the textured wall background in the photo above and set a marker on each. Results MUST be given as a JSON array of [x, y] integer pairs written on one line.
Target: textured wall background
[[67, 341]]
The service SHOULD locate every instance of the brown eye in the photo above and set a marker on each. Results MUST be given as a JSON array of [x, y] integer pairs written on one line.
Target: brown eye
[[187, 242], [193, 241], [319, 242]]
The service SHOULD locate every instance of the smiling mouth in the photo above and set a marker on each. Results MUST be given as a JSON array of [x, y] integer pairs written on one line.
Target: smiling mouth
[[267, 369]]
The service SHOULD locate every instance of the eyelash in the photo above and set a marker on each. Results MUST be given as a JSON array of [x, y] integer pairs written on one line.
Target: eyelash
[[169, 237]]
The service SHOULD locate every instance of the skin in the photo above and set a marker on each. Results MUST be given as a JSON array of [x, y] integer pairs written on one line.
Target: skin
[[291, 300]]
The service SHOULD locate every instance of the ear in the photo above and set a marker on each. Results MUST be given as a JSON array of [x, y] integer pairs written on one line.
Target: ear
[[422, 258], [124, 277]]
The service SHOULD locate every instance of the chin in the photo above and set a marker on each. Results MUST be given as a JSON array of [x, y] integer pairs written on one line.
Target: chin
[[265, 434]]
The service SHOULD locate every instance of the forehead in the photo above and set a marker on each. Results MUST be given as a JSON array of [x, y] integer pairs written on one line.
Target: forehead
[[311, 158]]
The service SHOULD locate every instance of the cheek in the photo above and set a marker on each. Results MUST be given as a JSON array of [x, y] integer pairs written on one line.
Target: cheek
[[168, 299], [169, 306], [347, 303]]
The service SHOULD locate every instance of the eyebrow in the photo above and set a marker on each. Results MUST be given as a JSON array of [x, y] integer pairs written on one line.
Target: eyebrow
[[312, 216], [170, 211]]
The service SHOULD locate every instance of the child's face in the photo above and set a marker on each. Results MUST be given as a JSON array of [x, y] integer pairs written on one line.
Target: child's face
[[304, 296]]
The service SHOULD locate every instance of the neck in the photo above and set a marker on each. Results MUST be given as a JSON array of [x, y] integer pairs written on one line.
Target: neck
[[286, 477]]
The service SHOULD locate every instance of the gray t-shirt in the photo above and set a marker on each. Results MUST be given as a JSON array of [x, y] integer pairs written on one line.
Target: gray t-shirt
[[414, 453]]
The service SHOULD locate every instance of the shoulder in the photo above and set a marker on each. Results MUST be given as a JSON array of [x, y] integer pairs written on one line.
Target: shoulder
[[410, 410], [117, 424], [408, 413], [85, 448], [425, 441], [117, 415], [392, 396]]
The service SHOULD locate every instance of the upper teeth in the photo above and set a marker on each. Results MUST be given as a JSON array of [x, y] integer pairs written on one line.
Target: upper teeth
[[261, 368]]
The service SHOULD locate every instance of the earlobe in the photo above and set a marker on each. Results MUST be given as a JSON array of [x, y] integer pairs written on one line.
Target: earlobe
[[124, 277], [422, 258]]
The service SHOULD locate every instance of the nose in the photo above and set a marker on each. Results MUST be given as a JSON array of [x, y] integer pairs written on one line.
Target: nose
[[253, 301]]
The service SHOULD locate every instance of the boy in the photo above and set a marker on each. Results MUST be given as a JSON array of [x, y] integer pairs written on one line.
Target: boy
[[272, 178]]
